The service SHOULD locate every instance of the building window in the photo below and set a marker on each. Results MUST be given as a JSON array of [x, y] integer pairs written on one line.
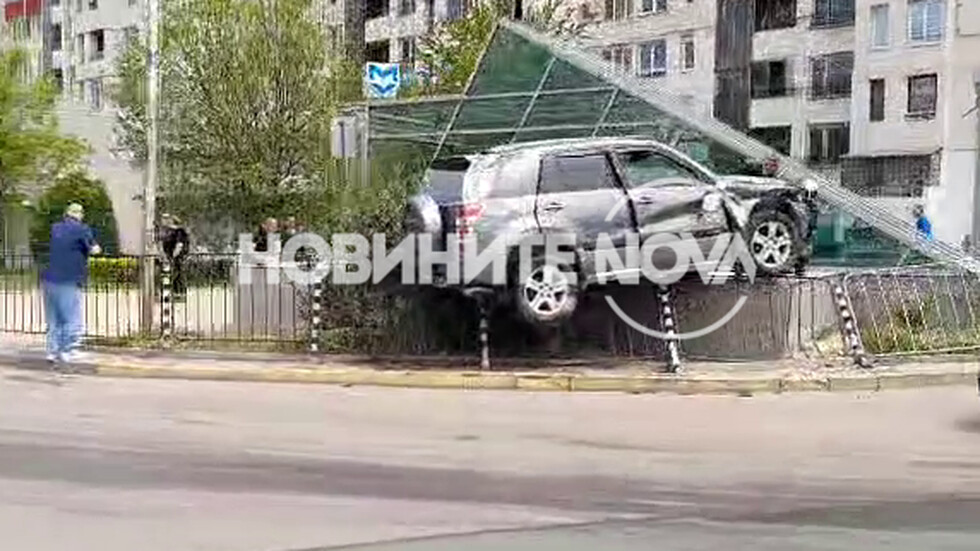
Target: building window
[[618, 9], [56, 37], [78, 5], [653, 58], [55, 3], [922, 96], [892, 176], [830, 75], [877, 107], [769, 79], [456, 9], [776, 137], [926, 20], [58, 76], [93, 4], [376, 8], [687, 52], [829, 142], [98, 44], [653, 6], [95, 94], [406, 7], [407, 47], [80, 47], [880, 26], [833, 13], [621, 56], [775, 14], [377, 52]]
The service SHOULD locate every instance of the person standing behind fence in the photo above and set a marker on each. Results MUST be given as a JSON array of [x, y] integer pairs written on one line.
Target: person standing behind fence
[[922, 223], [176, 243], [267, 228], [71, 244]]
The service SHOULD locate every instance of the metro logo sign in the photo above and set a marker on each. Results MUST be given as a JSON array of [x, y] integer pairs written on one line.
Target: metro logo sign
[[13, 9]]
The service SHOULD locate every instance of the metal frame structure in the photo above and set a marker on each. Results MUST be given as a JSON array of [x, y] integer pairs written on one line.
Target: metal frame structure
[[674, 114]]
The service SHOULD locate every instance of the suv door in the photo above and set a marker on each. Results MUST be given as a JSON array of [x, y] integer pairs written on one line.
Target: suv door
[[669, 197], [580, 193]]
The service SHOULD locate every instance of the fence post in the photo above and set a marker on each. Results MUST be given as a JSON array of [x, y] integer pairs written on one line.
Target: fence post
[[315, 317], [849, 328], [166, 310], [668, 323]]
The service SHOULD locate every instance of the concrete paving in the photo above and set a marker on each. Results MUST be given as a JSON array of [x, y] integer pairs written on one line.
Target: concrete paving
[[114, 464]]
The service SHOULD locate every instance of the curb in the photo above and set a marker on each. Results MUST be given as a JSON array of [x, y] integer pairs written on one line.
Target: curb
[[549, 382]]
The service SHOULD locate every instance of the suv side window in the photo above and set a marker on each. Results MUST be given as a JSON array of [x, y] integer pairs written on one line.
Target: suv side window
[[645, 167], [571, 173]]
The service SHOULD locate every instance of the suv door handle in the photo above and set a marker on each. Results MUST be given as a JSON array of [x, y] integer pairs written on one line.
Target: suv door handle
[[646, 199], [553, 206]]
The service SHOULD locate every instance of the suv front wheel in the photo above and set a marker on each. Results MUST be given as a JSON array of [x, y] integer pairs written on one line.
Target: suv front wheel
[[774, 240], [549, 293]]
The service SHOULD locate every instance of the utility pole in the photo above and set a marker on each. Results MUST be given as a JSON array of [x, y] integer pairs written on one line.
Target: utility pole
[[976, 169], [148, 293]]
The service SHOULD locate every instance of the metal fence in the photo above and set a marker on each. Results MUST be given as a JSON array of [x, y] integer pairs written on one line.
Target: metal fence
[[908, 310], [209, 302], [916, 310]]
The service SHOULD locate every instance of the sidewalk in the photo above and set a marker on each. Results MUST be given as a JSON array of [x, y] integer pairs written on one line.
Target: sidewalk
[[602, 374]]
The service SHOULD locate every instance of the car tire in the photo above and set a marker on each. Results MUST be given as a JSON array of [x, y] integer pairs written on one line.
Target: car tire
[[774, 240], [549, 294]]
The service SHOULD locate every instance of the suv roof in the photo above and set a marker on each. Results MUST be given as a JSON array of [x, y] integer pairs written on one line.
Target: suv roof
[[574, 143]]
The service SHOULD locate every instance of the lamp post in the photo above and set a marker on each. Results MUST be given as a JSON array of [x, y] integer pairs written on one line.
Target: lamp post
[[976, 168], [152, 15]]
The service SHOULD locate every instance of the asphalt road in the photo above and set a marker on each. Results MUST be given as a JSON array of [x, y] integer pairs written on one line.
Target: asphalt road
[[99, 464]]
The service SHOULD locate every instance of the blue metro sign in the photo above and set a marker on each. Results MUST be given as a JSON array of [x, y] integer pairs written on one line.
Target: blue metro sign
[[382, 79]]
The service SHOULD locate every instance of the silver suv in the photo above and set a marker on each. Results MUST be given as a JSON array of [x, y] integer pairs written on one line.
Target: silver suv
[[610, 186]]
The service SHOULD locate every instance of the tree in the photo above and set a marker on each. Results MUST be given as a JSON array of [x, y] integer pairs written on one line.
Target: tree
[[32, 152], [248, 92], [452, 51], [75, 188]]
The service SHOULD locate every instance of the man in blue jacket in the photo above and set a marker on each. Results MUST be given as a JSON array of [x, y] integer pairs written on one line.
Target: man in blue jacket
[[71, 244]]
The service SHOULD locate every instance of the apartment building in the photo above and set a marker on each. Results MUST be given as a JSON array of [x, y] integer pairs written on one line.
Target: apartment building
[[76, 42], [873, 93], [392, 28]]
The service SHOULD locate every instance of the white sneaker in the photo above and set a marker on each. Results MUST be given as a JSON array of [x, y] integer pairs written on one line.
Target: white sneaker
[[75, 356]]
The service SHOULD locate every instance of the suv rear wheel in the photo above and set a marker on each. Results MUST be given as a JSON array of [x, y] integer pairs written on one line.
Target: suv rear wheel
[[549, 293]]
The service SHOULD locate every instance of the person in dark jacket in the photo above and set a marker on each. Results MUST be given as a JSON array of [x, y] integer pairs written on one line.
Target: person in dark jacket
[[176, 244], [267, 228], [63, 279]]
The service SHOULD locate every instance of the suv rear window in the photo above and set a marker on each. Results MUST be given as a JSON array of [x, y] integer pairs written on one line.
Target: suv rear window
[[445, 178]]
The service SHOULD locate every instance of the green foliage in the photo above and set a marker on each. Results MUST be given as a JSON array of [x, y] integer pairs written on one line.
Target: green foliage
[[452, 51], [248, 92], [113, 272], [920, 326], [75, 188], [32, 152]]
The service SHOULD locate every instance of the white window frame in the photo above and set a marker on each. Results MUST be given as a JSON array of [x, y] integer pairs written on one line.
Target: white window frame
[[912, 24], [688, 40], [654, 70], [642, 9], [886, 9]]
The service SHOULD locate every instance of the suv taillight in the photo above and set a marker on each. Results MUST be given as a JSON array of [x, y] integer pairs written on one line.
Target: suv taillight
[[466, 217]]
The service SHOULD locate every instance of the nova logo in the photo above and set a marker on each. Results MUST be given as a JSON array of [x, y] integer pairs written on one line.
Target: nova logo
[[382, 79]]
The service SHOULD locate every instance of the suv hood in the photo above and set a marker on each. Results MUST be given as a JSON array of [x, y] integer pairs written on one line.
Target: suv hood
[[752, 187]]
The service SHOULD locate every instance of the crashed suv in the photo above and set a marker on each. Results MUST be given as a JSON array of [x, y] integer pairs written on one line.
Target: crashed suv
[[607, 187]]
